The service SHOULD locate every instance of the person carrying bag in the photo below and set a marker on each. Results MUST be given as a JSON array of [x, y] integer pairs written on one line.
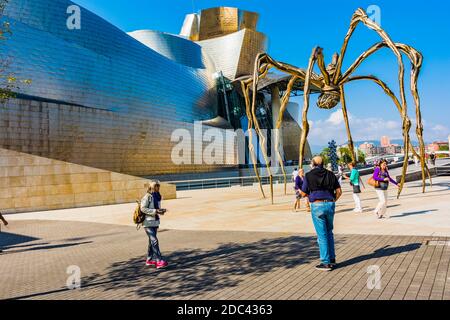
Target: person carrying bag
[[382, 178], [355, 182]]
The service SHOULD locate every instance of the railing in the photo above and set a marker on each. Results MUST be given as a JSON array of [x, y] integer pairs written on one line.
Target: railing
[[442, 171], [200, 184], [226, 182]]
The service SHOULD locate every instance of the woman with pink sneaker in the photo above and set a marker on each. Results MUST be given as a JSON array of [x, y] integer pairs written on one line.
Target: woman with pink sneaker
[[151, 207]]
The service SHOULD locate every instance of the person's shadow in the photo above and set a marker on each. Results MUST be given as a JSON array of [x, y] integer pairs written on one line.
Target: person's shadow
[[14, 243], [413, 213], [380, 253]]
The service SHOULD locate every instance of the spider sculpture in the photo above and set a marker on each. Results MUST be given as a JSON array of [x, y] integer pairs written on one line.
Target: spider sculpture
[[331, 82]]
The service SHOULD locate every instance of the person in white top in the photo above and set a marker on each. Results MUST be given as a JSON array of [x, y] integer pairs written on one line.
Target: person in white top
[[340, 173], [294, 175], [416, 161], [330, 167]]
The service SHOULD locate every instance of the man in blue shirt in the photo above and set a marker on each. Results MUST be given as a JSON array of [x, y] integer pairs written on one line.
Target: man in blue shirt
[[323, 190]]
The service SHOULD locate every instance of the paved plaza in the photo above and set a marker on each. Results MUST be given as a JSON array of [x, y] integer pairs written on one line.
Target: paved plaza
[[232, 244]]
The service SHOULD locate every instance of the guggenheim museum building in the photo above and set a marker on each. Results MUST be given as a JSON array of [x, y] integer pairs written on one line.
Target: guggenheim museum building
[[109, 99]]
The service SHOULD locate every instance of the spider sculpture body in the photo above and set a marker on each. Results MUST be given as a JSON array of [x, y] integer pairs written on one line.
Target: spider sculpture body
[[331, 82]]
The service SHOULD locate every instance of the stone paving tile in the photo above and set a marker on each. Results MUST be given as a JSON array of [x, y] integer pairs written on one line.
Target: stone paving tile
[[316, 280], [353, 276], [213, 265], [393, 280], [408, 271]]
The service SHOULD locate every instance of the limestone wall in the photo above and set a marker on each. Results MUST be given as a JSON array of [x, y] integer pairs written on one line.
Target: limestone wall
[[30, 183]]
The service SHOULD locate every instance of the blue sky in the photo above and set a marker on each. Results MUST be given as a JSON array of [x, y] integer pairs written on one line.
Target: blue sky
[[294, 27]]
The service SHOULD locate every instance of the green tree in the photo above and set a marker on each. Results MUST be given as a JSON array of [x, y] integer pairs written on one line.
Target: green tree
[[324, 154], [361, 157], [443, 148], [346, 155], [9, 83]]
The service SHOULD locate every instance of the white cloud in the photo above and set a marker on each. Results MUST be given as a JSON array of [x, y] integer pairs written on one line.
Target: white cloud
[[440, 129], [323, 131], [336, 118], [371, 128]]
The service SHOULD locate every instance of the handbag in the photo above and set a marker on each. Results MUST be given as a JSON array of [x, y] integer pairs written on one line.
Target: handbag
[[374, 183], [356, 189]]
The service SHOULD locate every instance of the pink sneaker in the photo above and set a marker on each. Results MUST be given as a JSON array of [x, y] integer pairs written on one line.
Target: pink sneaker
[[150, 263], [161, 264]]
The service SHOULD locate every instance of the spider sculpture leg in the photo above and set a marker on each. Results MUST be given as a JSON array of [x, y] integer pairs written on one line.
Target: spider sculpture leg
[[351, 145], [284, 102], [360, 16], [262, 138], [405, 127], [251, 148], [261, 72], [263, 63], [306, 90], [416, 59]]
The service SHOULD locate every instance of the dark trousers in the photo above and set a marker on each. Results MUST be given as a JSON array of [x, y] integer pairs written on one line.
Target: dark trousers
[[153, 244]]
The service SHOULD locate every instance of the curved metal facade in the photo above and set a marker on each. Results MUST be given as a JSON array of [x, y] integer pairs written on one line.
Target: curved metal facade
[[175, 48], [100, 66], [234, 54], [98, 96], [107, 99]]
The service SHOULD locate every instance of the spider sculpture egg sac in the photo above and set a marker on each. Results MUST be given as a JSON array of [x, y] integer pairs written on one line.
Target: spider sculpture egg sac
[[328, 100]]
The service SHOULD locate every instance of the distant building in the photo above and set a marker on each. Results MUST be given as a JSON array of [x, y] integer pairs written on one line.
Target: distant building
[[393, 149], [369, 149], [385, 141], [437, 146]]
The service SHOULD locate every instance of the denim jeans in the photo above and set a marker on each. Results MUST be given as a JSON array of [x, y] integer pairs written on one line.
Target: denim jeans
[[153, 252], [323, 216]]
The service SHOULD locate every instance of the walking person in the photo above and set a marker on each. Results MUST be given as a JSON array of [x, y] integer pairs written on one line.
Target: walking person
[[2, 220], [330, 167], [323, 190], [294, 174], [340, 173], [381, 175], [151, 207], [298, 195], [356, 183], [433, 159]]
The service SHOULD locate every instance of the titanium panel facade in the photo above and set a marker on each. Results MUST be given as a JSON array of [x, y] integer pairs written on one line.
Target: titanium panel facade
[[99, 66], [98, 96], [107, 99], [234, 54], [190, 29]]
